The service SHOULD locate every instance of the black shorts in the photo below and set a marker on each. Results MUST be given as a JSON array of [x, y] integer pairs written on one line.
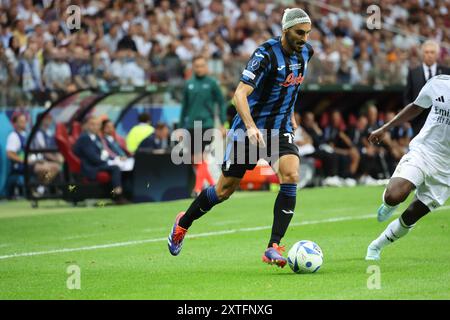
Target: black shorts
[[241, 156]]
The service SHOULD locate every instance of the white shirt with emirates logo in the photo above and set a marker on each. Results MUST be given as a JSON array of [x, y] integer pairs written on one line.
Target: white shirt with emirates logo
[[433, 140]]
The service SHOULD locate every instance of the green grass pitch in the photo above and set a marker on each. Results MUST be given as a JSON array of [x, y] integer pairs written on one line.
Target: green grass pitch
[[122, 251]]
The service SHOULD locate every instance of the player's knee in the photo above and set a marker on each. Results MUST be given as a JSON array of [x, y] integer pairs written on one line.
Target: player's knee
[[224, 193], [394, 196], [290, 177]]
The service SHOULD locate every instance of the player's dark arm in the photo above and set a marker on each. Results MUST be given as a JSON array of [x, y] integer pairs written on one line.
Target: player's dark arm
[[409, 112], [241, 103]]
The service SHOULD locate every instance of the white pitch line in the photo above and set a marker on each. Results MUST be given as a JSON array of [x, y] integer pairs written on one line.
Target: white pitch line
[[199, 235]]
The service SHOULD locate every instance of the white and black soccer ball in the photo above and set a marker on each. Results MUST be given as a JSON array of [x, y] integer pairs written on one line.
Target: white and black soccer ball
[[305, 257]]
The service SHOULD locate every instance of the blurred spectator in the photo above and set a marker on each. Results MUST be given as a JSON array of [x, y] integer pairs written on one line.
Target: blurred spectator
[[159, 140], [139, 132], [397, 142], [323, 152], [5, 35], [380, 152], [126, 70], [157, 68], [81, 69], [185, 51], [417, 78], [57, 74], [15, 151], [45, 139], [173, 67], [29, 72], [15, 148], [28, 13], [101, 65], [373, 123], [94, 158], [348, 155], [115, 146], [113, 37], [302, 139], [7, 74], [305, 149], [401, 135], [13, 51], [20, 33], [140, 38], [367, 170]]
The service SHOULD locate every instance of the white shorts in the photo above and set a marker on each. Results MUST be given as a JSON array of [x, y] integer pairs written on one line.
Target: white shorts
[[431, 188]]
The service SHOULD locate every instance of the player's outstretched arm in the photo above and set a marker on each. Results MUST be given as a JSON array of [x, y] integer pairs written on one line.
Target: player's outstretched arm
[[409, 112], [240, 101]]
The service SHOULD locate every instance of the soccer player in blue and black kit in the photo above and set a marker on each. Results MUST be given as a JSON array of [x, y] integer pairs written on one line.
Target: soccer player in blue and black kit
[[265, 99]]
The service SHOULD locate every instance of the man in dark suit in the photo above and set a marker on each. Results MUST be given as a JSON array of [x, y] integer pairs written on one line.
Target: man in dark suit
[[159, 140], [94, 158], [417, 78]]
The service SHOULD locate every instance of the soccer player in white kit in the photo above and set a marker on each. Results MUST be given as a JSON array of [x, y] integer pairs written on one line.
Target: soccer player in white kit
[[426, 167]]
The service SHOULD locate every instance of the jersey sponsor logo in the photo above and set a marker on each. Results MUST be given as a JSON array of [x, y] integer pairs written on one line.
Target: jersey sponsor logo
[[281, 68], [441, 111], [249, 74], [295, 66], [292, 80]]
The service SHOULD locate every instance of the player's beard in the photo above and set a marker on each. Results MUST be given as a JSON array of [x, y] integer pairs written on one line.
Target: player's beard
[[296, 46]]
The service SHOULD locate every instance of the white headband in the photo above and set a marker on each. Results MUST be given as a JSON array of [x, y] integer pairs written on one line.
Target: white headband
[[300, 16]]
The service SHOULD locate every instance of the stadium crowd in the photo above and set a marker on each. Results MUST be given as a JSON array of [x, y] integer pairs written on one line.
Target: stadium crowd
[[135, 43], [337, 150], [334, 149], [151, 41]]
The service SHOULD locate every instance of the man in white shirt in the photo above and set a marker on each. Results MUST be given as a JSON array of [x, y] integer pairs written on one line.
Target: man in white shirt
[[126, 70], [426, 167], [57, 73], [15, 149]]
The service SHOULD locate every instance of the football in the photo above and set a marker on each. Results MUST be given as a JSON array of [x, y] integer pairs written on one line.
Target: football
[[305, 257]]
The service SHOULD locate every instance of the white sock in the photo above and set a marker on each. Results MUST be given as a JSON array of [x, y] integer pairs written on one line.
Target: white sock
[[394, 231]]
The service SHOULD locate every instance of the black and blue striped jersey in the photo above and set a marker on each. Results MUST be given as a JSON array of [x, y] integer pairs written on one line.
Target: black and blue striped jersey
[[276, 78]]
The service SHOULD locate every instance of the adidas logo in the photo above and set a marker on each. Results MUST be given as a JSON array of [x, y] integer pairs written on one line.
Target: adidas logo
[[440, 99]]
